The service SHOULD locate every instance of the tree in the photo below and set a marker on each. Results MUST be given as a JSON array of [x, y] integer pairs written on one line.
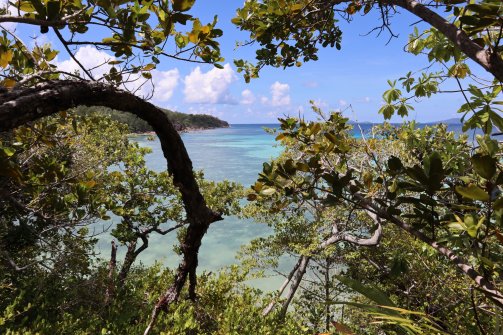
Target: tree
[[73, 170], [137, 33], [290, 32], [51, 182], [425, 182]]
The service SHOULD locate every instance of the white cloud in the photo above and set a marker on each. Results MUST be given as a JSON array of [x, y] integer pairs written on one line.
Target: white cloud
[[247, 97], [279, 95], [211, 87], [164, 82], [90, 58], [342, 103]]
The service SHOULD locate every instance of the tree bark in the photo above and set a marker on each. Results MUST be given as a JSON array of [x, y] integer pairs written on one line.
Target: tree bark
[[22, 105], [480, 282], [489, 60], [110, 292], [297, 273], [297, 278], [271, 305], [129, 259]]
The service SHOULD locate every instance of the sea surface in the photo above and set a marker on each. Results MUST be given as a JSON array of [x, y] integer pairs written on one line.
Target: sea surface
[[236, 154]]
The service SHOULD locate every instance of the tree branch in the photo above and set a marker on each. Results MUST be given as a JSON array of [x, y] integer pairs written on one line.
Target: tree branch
[[271, 305], [304, 261], [490, 61], [481, 282], [65, 45], [22, 105]]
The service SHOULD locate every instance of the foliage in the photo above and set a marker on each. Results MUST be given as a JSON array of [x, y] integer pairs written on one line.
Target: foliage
[[225, 306], [74, 170], [135, 32], [319, 192], [181, 121], [437, 196], [425, 182], [51, 182], [416, 279]]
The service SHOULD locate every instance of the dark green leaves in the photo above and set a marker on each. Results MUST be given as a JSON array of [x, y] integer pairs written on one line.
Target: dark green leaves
[[371, 293], [484, 165], [394, 165], [473, 192]]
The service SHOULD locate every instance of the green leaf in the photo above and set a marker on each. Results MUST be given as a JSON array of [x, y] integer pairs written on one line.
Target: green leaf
[[484, 165], [268, 191], [387, 111], [371, 293], [182, 5], [8, 151], [303, 167], [498, 204], [473, 192], [149, 67]]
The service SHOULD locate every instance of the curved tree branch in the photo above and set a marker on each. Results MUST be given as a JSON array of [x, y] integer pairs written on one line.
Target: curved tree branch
[[490, 61], [298, 271], [363, 242], [482, 283], [23, 105]]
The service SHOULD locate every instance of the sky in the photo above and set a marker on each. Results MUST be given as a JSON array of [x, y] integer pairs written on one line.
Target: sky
[[351, 80]]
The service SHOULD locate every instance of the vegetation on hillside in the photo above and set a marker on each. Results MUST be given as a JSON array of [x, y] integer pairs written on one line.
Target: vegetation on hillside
[[181, 121]]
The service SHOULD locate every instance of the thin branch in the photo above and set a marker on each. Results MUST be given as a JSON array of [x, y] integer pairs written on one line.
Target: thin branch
[[65, 45], [271, 305]]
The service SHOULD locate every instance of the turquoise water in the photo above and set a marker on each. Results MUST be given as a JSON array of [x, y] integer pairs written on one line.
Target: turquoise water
[[234, 153], [237, 154]]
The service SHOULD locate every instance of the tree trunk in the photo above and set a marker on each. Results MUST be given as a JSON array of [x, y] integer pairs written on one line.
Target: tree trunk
[[129, 259], [326, 275], [19, 106], [271, 305], [295, 285], [111, 272]]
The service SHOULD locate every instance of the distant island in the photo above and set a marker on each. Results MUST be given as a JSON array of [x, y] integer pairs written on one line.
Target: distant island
[[182, 122]]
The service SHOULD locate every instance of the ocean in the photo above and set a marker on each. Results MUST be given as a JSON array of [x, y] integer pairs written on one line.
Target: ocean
[[236, 154]]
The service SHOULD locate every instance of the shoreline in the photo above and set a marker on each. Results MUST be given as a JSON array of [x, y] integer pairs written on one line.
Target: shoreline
[[185, 130]]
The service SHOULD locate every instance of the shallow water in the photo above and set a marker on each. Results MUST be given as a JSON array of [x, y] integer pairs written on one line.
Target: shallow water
[[236, 154]]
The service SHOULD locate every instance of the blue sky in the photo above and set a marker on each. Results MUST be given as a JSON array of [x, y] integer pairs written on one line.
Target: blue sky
[[354, 76]]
